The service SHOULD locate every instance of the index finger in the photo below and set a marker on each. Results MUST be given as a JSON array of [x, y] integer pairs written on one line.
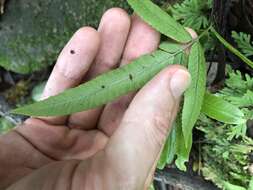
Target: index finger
[[72, 64]]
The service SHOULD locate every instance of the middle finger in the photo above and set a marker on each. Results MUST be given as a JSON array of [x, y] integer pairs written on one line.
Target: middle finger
[[142, 39], [113, 29]]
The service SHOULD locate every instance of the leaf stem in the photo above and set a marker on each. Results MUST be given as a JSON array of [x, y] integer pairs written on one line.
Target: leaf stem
[[231, 48]]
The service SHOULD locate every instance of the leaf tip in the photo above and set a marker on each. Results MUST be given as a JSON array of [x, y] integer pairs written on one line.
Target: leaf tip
[[17, 111], [181, 164]]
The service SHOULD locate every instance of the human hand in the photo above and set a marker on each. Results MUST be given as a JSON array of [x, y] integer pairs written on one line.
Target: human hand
[[112, 147]]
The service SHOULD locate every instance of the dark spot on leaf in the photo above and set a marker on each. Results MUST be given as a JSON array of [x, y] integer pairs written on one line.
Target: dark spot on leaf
[[130, 77], [103, 86], [72, 51]]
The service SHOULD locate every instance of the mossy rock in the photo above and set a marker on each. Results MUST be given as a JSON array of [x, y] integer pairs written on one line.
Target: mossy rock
[[32, 33]]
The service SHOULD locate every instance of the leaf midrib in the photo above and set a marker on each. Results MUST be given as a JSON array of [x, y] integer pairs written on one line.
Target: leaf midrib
[[112, 84], [195, 97]]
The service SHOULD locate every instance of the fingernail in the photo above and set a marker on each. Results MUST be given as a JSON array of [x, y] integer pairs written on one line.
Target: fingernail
[[179, 82]]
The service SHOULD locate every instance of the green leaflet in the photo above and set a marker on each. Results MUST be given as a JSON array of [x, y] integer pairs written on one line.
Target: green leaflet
[[104, 88], [160, 20], [245, 100], [210, 174], [229, 186], [192, 13], [168, 152], [194, 95], [244, 43], [151, 187], [232, 49], [182, 151], [221, 110], [172, 47], [251, 184], [175, 145]]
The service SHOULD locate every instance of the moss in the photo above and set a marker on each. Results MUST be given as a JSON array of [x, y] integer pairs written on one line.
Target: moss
[[32, 33]]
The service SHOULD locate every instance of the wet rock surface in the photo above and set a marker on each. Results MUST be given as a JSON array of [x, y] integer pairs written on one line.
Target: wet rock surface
[[33, 32]]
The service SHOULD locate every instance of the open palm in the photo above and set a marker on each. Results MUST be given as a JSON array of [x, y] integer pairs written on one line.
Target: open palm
[[111, 147]]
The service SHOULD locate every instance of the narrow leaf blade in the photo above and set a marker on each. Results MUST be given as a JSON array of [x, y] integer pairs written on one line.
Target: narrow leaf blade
[[182, 151], [194, 95], [221, 110], [232, 49], [170, 47], [103, 89], [169, 149], [160, 20]]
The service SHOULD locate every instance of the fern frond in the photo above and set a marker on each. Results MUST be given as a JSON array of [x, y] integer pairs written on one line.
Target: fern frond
[[243, 101], [192, 13], [237, 82], [244, 43]]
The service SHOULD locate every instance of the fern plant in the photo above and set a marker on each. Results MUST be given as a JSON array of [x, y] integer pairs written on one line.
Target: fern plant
[[192, 13], [226, 161], [226, 149], [195, 14], [244, 43]]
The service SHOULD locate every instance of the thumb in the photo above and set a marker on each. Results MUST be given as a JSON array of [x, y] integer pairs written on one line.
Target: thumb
[[135, 146]]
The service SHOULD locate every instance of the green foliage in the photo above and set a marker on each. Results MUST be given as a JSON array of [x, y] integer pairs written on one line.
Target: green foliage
[[195, 14], [226, 149], [169, 150], [194, 95], [192, 13], [244, 43], [221, 110], [237, 82], [182, 152], [241, 87], [226, 161], [216, 108], [251, 184], [151, 187], [224, 110], [104, 88], [5, 125], [160, 20], [246, 100], [232, 49]]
